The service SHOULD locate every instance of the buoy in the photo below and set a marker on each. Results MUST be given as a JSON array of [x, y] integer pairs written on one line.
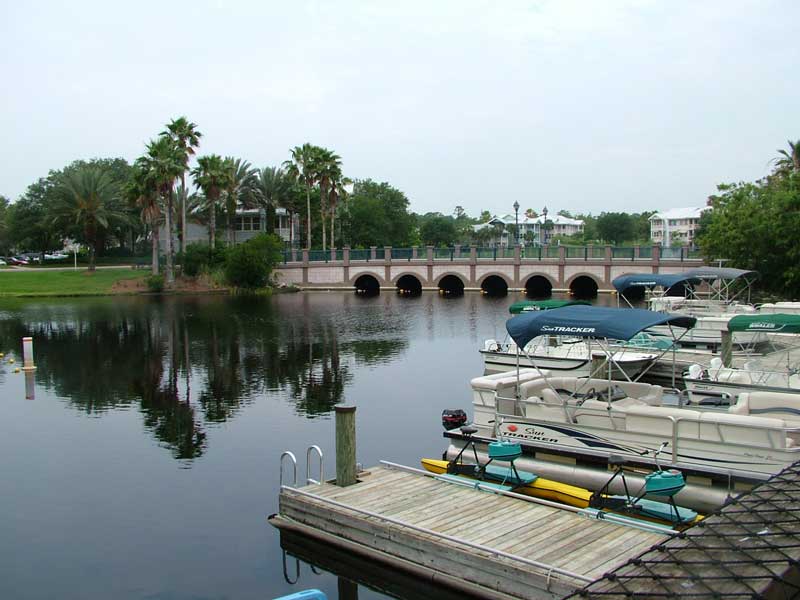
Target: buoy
[[2, 355], [11, 361], [17, 370]]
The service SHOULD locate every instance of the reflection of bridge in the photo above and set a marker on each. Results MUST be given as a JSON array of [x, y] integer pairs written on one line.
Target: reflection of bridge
[[540, 270]]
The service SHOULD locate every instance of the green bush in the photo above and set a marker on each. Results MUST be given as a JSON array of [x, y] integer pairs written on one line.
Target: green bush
[[155, 283], [200, 257], [249, 265]]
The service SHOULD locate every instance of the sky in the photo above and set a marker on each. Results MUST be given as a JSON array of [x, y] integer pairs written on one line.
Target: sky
[[584, 106]]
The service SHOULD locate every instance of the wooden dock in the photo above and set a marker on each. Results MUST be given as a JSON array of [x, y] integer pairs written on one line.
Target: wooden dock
[[483, 543]]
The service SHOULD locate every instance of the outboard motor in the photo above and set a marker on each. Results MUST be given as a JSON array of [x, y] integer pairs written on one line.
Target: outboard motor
[[453, 418]]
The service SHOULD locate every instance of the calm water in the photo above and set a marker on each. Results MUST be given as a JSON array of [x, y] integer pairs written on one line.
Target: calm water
[[147, 463]]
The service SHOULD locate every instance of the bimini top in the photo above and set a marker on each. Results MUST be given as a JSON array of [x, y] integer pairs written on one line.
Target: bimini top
[[589, 322], [532, 305], [779, 323], [651, 280], [713, 273]]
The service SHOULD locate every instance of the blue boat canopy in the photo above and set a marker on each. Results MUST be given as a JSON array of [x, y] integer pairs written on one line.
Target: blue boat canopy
[[651, 280], [590, 322], [714, 273]]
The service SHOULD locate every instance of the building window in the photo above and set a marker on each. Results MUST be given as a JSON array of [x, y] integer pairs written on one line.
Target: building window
[[248, 223]]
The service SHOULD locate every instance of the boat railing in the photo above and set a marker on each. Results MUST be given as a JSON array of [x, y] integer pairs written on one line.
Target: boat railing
[[776, 437]]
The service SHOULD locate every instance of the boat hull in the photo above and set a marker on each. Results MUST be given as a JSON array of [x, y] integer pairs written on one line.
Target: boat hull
[[497, 362]]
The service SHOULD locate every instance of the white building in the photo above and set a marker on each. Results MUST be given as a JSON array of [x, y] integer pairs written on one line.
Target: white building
[[676, 225], [559, 226]]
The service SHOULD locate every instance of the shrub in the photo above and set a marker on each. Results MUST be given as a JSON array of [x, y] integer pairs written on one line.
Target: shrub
[[200, 257], [155, 283], [249, 265]]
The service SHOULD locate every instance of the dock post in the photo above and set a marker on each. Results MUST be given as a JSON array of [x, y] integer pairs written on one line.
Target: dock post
[[345, 445], [27, 354], [598, 364], [726, 348]]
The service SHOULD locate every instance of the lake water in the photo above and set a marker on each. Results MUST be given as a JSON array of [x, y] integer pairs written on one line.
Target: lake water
[[147, 462]]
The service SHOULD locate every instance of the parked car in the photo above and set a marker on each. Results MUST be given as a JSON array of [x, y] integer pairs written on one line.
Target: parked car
[[3, 263], [55, 256], [17, 260]]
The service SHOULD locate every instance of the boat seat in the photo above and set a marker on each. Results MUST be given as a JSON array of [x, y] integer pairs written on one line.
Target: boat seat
[[547, 408], [779, 405], [743, 429], [596, 413], [486, 387], [657, 420]]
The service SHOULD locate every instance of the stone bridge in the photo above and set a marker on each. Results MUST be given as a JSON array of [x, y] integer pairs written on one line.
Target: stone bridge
[[583, 270]]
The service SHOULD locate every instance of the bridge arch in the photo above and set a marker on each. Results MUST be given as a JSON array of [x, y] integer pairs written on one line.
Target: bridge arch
[[408, 284], [539, 285], [494, 284], [451, 284], [583, 285], [366, 283]]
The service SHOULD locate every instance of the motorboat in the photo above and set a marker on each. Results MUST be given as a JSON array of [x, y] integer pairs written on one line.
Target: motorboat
[[713, 308], [570, 426], [721, 385], [563, 353]]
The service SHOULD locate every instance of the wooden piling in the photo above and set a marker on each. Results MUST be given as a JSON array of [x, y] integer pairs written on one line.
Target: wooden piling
[[726, 348], [345, 445]]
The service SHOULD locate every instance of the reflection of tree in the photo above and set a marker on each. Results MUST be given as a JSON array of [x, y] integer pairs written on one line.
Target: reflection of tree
[[101, 354]]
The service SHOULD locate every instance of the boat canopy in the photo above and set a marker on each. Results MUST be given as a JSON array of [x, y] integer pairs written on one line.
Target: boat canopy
[[651, 280], [531, 305], [714, 273], [778, 323], [590, 322]]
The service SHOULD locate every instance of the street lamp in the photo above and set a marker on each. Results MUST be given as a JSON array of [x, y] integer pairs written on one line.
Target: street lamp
[[544, 226], [516, 219]]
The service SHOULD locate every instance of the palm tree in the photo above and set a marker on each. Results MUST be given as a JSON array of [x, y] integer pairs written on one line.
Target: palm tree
[[788, 162], [85, 197], [239, 190], [187, 138], [271, 189], [329, 170], [164, 163], [144, 195], [304, 167], [338, 192], [211, 176]]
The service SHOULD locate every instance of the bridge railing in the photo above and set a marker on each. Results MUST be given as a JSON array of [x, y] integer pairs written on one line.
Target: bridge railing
[[505, 253]]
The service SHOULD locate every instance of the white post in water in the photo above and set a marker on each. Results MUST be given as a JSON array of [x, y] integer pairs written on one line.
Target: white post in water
[[27, 354], [30, 386]]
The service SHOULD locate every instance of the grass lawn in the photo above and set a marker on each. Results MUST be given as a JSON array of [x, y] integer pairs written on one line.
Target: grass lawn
[[63, 283]]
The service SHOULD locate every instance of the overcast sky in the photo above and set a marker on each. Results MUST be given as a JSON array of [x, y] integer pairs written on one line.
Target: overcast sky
[[585, 106]]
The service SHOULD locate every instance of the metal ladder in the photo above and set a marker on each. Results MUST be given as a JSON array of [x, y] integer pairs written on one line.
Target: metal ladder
[[293, 461]]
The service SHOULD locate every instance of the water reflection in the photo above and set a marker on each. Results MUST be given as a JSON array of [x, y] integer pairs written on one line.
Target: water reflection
[[185, 363]]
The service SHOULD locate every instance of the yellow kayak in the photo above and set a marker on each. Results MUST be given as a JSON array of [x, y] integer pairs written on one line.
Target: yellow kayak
[[540, 488], [648, 510]]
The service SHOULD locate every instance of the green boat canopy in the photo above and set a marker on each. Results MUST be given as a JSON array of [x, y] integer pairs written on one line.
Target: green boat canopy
[[531, 305], [778, 323]]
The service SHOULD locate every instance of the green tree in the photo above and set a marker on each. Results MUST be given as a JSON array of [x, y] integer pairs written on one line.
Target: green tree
[[186, 137], [5, 240], [249, 265], [329, 171], [86, 198], [211, 176], [615, 227], [377, 215], [273, 188], [164, 163], [338, 193], [304, 168], [754, 226], [436, 229], [142, 193], [239, 190], [788, 161]]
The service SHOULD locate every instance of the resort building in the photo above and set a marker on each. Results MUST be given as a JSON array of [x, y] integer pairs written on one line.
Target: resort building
[[530, 229], [248, 224], [676, 226]]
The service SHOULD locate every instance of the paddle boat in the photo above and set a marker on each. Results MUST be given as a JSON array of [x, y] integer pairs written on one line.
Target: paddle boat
[[563, 353], [653, 502], [570, 427], [718, 385]]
